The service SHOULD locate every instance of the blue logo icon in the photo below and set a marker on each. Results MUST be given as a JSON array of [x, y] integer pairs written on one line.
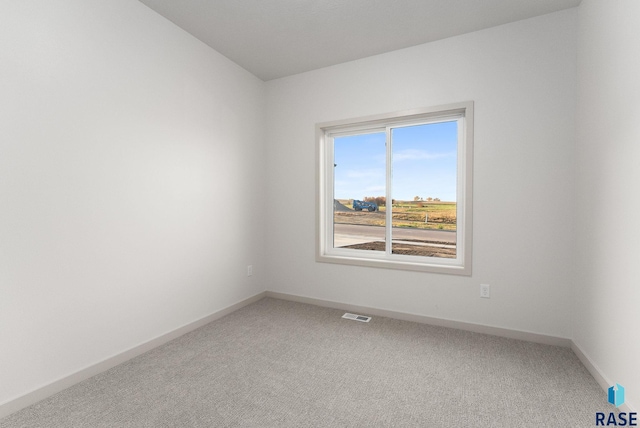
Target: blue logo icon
[[616, 395]]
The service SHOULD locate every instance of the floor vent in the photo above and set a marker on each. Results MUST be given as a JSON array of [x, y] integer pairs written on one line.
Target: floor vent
[[355, 317]]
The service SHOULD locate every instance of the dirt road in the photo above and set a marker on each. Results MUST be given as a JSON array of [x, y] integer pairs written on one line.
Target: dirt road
[[408, 241]]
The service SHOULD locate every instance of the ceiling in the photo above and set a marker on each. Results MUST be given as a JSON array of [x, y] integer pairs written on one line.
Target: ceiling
[[277, 38]]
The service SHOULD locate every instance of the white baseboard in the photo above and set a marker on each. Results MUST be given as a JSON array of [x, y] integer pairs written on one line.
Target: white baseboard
[[477, 328], [597, 374], [590, 366], [56, 386], [460, 325], [39, 394]]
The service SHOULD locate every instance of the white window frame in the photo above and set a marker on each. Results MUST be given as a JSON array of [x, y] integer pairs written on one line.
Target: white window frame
[[325, 132]]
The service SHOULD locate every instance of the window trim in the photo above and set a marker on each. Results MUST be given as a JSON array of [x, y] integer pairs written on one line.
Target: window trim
[[326, 253]]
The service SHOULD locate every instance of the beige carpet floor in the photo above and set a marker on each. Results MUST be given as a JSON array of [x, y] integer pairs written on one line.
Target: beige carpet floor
[[283, 364]]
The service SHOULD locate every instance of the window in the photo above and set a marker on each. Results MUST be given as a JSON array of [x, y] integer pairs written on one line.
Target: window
[[395, 190]]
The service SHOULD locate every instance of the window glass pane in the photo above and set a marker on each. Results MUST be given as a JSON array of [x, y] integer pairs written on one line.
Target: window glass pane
[[424, 175], [359, 191]]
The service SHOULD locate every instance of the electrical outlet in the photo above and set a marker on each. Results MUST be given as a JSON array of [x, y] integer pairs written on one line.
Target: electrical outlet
[[485, 291], [249, 270]]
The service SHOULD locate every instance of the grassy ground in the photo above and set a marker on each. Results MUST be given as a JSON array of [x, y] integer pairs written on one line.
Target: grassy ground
[[440, 215]]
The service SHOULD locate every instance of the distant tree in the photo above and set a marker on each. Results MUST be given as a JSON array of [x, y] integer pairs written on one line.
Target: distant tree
[[379, 200], [436, 199], [416, 198], [429, 199]]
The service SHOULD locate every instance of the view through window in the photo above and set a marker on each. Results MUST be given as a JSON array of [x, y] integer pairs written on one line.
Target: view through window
[[423, 189], [398, 189]]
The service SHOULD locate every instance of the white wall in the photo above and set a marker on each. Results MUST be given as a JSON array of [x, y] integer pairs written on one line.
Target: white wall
[[128, 151], [121, 136], [522, 77], [607, 285]]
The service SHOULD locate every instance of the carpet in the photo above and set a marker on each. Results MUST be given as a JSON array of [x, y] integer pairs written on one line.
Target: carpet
[[277, 363]]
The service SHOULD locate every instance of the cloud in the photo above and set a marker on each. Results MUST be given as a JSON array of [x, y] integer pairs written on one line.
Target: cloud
[[413, 154], [366, 173]]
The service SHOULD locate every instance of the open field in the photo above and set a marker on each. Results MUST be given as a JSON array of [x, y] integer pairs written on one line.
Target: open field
[[440, 215], [407, 215]]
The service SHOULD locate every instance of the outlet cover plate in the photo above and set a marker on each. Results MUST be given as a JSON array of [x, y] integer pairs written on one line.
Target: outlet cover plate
[[485, 291]]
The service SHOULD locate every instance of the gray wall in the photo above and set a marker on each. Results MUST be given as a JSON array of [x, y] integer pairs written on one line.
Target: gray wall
[[128, 150], [522, 78], [607, 291]]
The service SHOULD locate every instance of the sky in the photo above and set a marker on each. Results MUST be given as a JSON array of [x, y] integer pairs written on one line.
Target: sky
[[424, 163]]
